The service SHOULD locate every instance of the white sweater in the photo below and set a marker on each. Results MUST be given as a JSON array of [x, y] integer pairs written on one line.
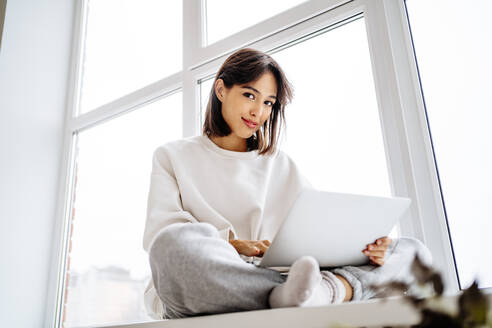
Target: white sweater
[[243, 194]]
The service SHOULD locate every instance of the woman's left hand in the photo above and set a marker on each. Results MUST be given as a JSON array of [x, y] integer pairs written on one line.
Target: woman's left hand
[[376, 251]]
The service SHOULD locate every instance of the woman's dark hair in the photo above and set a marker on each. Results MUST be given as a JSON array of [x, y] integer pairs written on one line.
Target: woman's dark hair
[[243, 66]]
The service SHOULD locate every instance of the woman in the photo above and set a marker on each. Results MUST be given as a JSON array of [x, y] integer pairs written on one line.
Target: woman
[[219, 198]]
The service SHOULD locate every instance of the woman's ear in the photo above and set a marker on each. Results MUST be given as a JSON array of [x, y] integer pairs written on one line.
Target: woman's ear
[[219, 89]]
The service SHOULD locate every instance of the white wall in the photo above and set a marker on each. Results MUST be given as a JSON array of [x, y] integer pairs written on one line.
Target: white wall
[[34, 67]]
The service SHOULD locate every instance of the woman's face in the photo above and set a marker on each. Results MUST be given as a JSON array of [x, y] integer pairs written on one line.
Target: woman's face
[[245, 107]]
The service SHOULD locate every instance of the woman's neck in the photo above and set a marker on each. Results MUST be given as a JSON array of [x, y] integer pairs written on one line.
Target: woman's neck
[[230, 142]]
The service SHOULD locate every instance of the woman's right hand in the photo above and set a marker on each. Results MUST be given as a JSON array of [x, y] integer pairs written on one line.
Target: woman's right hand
[[250, 247]]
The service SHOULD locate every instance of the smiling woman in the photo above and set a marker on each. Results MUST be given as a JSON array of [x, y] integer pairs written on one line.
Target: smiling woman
[[250, 108], [247, 103], [220, 197]]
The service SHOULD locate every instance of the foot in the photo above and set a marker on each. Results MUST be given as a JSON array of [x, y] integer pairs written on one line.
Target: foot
[[304, 276]]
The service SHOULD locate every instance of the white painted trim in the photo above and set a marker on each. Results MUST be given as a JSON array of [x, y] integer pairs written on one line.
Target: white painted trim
[[393, 312], [275, 24], [56, 277], [57, 274], [387, 94], [426, 177], [129, 102], [203, 25], [79, 38], [421, 173], [284, 38], [406, 132], [192, 39]]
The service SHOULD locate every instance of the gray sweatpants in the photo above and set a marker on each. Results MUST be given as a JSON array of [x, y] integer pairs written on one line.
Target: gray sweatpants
[[195, 272]]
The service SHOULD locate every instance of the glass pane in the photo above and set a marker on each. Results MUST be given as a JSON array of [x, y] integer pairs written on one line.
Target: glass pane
[[128, 45], [225, 17], [333, 127], [205, 89], [108, 268], [453, 55]]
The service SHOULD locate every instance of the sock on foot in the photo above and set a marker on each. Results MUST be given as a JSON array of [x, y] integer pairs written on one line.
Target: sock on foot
[[304, 277], [331, 290]]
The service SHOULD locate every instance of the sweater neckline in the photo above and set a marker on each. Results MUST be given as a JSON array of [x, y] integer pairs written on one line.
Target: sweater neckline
[[228, 153]]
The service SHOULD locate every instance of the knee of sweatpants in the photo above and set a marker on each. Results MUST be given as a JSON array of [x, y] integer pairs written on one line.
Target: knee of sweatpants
[[415, 246], [173, 257], [177, 239]]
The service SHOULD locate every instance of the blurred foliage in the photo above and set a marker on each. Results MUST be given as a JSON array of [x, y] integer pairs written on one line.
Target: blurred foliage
[[473, 305]]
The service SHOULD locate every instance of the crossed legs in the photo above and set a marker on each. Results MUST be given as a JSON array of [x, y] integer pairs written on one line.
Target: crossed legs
[[195, 273]]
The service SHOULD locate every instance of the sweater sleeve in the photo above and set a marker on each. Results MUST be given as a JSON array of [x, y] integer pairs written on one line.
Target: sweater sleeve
[[164, 206]]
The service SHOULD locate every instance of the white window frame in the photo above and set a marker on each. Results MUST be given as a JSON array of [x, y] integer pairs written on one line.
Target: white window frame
[[406, 136]]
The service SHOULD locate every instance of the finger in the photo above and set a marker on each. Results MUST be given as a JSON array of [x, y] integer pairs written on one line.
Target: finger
[[383, 241], [373, 247], [247, 249], [252, 251], [266, 242], [374, 253]]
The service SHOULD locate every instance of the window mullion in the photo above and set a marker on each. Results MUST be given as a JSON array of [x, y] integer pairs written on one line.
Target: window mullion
[[131, 101], [391, 121], [56, 283], [192, 36], [269, 27], [410, 156]]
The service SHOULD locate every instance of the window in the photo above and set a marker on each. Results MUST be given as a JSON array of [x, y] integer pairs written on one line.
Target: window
[[221, 13], [130, 103], [455, 69], [205, 89], [108, 269], [334, 137], [146, 78], [126, 47]]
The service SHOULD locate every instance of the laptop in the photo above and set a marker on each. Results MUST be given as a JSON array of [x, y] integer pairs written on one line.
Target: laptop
[[333, 227]]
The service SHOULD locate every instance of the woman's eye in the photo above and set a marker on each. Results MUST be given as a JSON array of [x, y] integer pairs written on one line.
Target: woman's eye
[[252, 97], [247, 94]]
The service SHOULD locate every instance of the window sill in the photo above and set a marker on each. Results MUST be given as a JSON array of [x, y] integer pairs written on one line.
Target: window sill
[[393, 311]]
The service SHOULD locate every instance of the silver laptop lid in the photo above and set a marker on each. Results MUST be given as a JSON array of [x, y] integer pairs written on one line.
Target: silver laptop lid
[[333, 227]]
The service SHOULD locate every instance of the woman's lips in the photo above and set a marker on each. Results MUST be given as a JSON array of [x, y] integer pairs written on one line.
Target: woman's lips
[[249, 124]]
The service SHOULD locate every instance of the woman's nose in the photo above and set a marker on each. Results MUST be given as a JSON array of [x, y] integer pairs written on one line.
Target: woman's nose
[[256, 110]]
